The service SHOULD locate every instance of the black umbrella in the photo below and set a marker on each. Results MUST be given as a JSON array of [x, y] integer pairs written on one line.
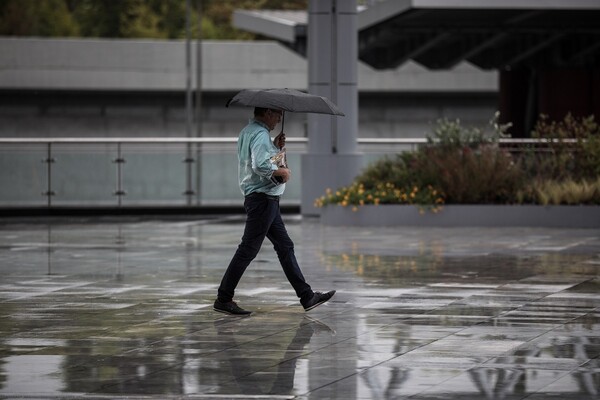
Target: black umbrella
[[286, 100]]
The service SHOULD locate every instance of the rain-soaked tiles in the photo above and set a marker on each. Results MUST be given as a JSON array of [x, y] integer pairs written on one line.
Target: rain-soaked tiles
[[122, 308]]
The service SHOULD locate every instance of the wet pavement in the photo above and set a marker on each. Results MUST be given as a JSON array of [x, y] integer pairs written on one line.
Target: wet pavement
[[122, 308]]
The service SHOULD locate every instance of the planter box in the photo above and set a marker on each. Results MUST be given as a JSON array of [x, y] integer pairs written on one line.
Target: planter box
[[465, 215]]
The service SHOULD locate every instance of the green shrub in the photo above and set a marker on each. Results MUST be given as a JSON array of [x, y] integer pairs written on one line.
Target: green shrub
[[467, 166], [566, 192], [571, 150], [383, 193], [449, 134], [484, 174], [388, 170]]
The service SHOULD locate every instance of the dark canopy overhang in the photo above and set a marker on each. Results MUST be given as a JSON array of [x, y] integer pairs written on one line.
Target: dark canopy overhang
[[491, 34]]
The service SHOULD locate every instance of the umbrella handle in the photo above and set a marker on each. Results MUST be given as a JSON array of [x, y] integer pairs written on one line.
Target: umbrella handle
[[281, 148], [282, 120], [282, 123]]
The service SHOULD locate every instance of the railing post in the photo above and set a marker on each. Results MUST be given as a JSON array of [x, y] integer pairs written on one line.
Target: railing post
[[119, 161], [198, 152], [49, 161], [189, 161]]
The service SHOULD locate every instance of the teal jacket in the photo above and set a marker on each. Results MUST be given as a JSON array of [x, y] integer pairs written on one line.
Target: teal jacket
[[255, 149]]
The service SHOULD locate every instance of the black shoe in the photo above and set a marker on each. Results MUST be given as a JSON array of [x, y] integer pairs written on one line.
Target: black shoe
[[318, 299], [230, 308]]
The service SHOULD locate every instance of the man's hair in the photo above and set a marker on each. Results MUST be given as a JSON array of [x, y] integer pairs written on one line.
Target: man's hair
[[260, 111]]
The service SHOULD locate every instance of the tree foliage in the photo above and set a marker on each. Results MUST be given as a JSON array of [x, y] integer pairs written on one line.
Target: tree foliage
[[37, 18], [164, 19]]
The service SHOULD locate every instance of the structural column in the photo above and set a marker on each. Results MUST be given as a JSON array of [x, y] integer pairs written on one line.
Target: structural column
[[332, 159]]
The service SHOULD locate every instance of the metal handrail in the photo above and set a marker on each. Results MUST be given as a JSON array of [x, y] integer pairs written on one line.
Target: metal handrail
[[215, 140], [145, 140], [409, 141]]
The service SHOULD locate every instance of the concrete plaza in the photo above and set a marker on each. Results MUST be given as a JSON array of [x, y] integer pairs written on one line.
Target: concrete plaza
[[121, 307]]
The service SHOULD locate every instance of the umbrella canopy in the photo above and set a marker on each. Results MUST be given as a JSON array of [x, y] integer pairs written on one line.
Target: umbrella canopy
[[285, 99]]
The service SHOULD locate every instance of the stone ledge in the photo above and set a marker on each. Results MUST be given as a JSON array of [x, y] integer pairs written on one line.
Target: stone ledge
[[465, 216]]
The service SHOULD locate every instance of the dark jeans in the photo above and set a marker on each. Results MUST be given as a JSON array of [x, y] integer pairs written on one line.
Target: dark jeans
[[263, 219]]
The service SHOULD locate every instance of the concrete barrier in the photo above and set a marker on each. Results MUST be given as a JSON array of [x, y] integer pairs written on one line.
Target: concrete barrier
[[465, 215]]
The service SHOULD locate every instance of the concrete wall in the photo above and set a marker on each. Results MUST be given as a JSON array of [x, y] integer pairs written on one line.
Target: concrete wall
[[144, 65], [113, 88], [153, 114], [151, 65]]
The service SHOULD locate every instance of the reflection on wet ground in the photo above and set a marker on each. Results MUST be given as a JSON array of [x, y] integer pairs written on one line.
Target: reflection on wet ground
[[121, 308]]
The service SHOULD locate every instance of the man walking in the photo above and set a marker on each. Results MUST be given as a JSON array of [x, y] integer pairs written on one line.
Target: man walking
[[262, 181]]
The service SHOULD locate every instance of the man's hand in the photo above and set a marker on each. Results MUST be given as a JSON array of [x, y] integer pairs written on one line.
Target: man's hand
[[279, 141], [284, 173]]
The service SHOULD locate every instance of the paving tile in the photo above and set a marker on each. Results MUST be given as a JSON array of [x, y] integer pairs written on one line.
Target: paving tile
[[492, 383], [101, 308]]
